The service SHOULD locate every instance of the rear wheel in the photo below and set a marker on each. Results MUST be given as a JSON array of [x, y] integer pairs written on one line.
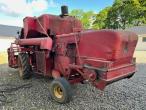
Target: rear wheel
[[60, 90], [24, 66]]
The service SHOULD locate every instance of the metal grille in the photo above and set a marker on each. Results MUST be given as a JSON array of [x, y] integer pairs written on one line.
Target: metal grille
[[41, 62]]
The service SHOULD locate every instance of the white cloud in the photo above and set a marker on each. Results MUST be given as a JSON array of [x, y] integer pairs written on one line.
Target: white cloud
[[38, 5], [23, 8], [14, 21]]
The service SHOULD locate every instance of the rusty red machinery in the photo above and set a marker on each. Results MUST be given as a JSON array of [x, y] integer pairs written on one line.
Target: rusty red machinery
[[58, 47]]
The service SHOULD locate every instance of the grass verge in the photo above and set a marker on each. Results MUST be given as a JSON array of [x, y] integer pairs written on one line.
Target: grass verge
[[3, 58]]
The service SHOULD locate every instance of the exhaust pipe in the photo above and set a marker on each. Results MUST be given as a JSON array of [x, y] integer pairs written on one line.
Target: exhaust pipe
[[64, 10]]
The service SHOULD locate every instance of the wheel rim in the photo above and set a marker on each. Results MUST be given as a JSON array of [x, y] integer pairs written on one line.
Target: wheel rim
[[58, 91]]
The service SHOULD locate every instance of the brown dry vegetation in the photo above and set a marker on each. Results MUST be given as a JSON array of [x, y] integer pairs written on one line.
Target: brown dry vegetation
[[140, 56], [3, 57]]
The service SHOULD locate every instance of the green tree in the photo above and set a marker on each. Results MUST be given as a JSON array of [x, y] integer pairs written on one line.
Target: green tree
[[78, 13], [87, 18], [122, 14], [101, 18], [141, 18], [125, 13]]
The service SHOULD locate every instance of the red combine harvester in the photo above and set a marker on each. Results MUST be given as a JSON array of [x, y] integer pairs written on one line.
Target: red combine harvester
[[58, 47]]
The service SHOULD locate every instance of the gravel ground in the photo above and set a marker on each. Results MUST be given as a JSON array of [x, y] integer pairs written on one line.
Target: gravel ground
[[33, 94]]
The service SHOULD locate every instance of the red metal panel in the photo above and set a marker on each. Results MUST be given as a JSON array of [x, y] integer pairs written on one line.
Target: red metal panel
[[40, 61], [56, 24], [109, 45], [121, 71], [29, 24], [44, 64], [113, 75], [12, 55], [44, 43]]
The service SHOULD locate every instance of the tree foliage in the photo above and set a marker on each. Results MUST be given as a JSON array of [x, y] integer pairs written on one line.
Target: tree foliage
[[125, 13], [101, 17], [86, 18], [122, 14]]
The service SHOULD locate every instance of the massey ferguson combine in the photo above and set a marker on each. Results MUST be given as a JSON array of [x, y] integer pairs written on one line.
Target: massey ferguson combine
[[58, 47]]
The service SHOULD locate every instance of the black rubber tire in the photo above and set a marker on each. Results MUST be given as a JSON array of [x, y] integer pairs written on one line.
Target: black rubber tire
[[24, 66], [130, 75], [66, 90]]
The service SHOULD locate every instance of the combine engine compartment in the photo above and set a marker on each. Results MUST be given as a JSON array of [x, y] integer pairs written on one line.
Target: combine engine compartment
[[58, 47]]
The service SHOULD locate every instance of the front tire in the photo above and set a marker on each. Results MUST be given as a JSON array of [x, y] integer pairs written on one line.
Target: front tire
[[60, 90], [24, 66]]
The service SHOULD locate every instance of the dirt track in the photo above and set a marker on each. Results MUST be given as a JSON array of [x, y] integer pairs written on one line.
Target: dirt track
[[33, 94]]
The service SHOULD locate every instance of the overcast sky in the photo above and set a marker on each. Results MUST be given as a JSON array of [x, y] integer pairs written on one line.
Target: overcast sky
[[12, 12]]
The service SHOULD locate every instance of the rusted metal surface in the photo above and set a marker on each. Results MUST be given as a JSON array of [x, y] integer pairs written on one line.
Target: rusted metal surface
[[44, 43], [55, 24], [59, 47], [40, 61], [12, 55]]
